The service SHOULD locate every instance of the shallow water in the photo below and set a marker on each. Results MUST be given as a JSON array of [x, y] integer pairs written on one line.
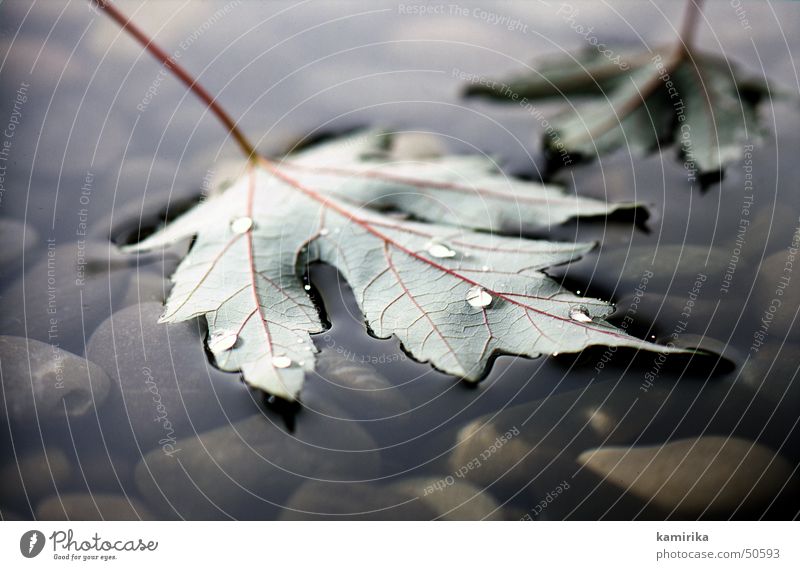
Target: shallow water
[[105, 144]]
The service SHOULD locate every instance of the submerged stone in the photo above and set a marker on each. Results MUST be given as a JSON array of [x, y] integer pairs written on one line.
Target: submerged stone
[[42, 382]]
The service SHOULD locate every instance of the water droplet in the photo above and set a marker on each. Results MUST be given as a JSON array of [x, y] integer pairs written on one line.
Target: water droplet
[[578, 292], [307, 287], [440, 250], [222, 340], [241, 225], [324, 231], [281, 361], [477, 297], [580, 314], [485, 268]]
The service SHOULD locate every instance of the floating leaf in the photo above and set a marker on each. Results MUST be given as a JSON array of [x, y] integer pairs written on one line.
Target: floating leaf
[[702, 103], [327, 204]]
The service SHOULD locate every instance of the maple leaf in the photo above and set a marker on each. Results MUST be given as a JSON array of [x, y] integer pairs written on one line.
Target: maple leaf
[[452, 295], [701, 102]]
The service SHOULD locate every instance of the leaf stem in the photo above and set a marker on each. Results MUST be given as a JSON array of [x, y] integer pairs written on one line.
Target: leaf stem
[[691, 17], [178, 71]]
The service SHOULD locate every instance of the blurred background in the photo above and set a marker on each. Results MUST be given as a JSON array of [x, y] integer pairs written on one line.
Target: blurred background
[[107, 414]]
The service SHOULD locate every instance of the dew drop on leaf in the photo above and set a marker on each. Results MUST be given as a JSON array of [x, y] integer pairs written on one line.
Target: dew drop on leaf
[[477, 297], [580, 314], [222, 340], [241, 225], [281, 361], [440, 250]]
